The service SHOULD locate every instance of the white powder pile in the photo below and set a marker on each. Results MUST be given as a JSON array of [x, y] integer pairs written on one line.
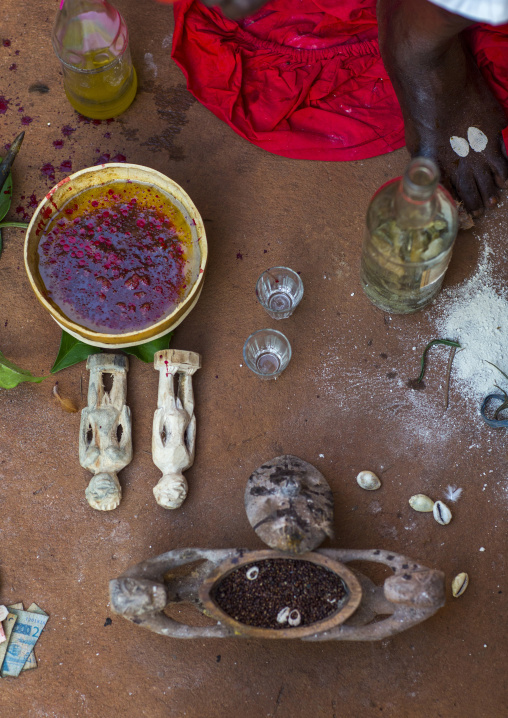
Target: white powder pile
[[476, 315]]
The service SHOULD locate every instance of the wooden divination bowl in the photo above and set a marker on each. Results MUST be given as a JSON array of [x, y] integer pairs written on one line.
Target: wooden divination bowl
[[289, 504]]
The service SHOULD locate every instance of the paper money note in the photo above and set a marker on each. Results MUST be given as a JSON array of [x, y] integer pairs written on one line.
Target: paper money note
[[31, 661], [24, 636], [8, 626]]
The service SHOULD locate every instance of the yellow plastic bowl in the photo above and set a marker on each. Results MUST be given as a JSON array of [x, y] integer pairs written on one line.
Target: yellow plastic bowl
[[95, 177]]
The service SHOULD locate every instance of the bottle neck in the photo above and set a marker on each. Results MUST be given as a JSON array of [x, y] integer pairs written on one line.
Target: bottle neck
[[416, 197]]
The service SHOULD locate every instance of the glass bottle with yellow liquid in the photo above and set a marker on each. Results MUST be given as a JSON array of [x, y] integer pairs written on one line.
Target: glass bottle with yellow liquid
[[91, 40], [411, 227]]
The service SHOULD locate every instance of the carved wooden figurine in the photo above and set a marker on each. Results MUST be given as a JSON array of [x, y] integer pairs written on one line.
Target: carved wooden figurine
[[290, 506], [174, 424], [105, 438]]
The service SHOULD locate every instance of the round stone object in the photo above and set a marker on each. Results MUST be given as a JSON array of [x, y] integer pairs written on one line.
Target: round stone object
[[289, 504]]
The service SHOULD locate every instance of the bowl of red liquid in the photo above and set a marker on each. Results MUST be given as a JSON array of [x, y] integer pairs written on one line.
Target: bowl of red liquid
[[117, 254]]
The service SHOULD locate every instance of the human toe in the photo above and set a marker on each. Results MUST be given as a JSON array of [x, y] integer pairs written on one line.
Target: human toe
[[489, 192], [468, 193]]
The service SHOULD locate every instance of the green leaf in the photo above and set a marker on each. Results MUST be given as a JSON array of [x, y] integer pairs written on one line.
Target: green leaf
[[5, 196], [12, 375], [20, 225], [71, 352], [499, 370], [146, 351], [446, 342]]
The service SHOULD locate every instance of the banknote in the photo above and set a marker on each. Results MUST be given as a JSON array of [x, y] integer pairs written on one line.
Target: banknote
[[8, 626], [24, 636], [31, 661]]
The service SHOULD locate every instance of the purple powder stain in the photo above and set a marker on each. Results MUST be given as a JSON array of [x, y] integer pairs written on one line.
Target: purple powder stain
[[7, 146], [4, 104], [21, 210], [33, 202], [239, 255], [67, 130], [58, 144], [16, 53], [103, 159], [6, 43], [26, 120], [66, 166], [49, 171], [13, 66], [119, 158], [107, 135]]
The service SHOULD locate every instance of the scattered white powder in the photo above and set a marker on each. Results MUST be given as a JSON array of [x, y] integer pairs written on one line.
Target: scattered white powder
[[150, 64], [476, 315]]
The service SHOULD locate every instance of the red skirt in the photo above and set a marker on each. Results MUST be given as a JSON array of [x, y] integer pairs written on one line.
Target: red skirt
[[304, 78]]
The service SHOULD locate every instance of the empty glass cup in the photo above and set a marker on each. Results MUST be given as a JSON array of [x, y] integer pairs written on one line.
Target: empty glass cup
[[279, 290], [267, 353]]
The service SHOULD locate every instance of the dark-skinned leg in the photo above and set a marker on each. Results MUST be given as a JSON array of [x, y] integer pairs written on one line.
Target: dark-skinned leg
[[442, 93]]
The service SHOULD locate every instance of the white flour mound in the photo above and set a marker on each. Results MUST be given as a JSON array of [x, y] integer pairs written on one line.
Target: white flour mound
[[476, 315]]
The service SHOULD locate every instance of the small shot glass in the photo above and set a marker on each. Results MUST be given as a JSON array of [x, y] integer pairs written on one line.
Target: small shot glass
[[279, 290], [267, 353]]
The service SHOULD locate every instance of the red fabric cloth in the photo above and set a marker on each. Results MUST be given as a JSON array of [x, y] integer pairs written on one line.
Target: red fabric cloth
[[304, 78]]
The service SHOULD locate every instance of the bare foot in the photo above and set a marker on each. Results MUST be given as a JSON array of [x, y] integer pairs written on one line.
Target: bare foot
[[443, 94]]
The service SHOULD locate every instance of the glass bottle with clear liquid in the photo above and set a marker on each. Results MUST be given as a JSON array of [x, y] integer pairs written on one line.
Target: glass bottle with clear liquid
[[412, 223], [91, 40]]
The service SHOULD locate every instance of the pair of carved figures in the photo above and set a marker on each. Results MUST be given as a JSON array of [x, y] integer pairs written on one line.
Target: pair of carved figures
[[105, 437]]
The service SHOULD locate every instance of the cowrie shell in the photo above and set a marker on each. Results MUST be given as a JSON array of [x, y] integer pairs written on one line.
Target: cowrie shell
[[420, 502], [442, 513], [252, 573], [459, 584], [294, 618], [477, 139], [282, 616], [460, 146], [368, 480]]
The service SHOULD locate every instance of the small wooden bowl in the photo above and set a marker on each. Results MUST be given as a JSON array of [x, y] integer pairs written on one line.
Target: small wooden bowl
[[102, 175], [347, 608]]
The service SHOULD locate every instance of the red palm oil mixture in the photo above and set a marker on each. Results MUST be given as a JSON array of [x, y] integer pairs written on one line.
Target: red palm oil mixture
[[114, 258]]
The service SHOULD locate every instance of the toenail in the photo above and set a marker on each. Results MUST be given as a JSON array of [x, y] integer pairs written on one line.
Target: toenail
[[492, 201]]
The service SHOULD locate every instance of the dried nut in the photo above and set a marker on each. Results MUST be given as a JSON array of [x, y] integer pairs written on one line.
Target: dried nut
[[294, 618], [4, 612], [459, 584], [282, 616], [442, 513], [367, 480], [252, 573], [420, 502]]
